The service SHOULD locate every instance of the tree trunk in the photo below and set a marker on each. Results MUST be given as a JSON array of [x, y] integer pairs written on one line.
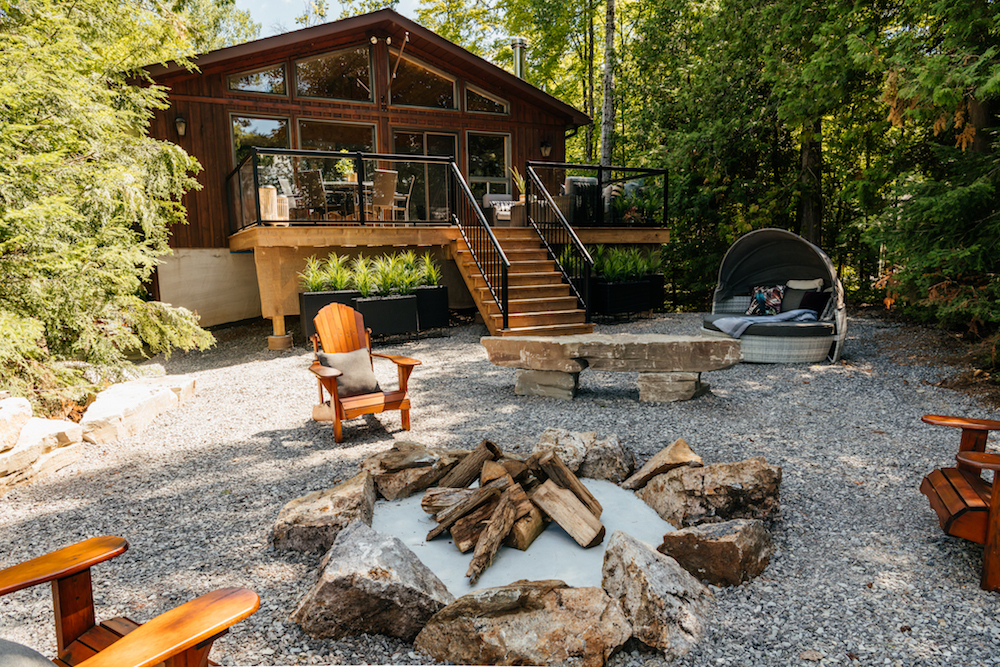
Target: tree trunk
[[810, 222], [589, 97], [608, 108]]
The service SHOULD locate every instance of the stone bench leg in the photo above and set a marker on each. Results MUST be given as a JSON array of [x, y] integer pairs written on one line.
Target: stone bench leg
[[669, 387], [554, 384]]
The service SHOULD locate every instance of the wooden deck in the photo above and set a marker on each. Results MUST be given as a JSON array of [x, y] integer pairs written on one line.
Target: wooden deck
[[280, 254]]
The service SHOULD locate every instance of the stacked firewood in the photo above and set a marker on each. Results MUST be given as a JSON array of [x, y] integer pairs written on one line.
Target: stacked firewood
[[514, 501]]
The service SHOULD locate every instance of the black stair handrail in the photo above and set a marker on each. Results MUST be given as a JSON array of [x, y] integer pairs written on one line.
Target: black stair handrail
[[559, 239], [482, 242]]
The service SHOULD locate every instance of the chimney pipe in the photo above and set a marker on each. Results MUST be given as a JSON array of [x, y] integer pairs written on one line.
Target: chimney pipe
[[520, 46]]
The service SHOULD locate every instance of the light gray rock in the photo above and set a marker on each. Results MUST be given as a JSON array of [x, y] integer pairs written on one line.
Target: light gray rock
[[608, 459], [311, 523], [687, 496], [38, 438], [664, 604], [676, 454], [723, 554], [570, 446], [125, 409], [527, 623], [670, 387], [14, 414], [371, 583], [551, 384]]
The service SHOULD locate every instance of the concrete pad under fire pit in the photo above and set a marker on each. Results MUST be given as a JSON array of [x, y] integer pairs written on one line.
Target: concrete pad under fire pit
[[669, 367]]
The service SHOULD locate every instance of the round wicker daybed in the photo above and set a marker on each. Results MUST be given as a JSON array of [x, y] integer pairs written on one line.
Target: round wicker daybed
[[774, 257]]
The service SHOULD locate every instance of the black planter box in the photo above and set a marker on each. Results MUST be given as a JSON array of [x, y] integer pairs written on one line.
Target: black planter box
[[311, 303], [657, 290], [619, 298], [388, 315], [432, 307]]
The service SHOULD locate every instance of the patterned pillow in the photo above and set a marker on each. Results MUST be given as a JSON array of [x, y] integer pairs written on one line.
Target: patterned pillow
[[766, 300]]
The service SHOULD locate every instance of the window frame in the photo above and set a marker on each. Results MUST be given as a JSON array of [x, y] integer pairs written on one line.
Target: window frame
[[394, 55], [261, 116], [284, 70], [508, 157], [371, 75], [469, 87], [373, 126]]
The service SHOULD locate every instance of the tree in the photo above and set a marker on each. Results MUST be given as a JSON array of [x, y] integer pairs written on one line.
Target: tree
[[608, 106], [86, 198]]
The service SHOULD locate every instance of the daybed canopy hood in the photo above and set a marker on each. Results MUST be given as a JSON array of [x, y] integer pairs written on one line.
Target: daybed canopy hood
[[773, 257]]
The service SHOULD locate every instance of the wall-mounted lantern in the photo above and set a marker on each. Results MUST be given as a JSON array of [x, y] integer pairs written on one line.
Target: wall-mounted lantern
[[546, 149], [181, 124]]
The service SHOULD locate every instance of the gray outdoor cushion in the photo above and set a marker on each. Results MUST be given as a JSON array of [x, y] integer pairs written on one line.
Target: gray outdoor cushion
[[356, 366], [18, 655], [777, 329]]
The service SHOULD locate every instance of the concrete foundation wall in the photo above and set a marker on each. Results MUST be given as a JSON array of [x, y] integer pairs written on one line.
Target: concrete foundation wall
[[221, 286]]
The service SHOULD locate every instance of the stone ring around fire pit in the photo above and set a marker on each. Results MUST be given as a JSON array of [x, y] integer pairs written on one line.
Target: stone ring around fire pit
[[372, 582], [669, 367]]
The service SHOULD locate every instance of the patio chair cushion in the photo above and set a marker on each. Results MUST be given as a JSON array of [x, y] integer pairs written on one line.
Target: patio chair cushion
[[792, 298], [815, 301], [776, 329], [358, 377], [814, 285], [18, 655]]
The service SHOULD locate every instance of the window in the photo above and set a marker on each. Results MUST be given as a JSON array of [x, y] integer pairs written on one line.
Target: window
[[323, 136], [488, 164], [343, 75], [429, 196], [481, 102], [251, 132], [420, 86], [266, 82]]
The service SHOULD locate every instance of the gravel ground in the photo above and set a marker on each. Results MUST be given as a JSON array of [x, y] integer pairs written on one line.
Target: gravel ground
[[863, 574]]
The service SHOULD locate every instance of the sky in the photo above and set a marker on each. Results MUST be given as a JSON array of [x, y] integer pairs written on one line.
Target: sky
[[269, 12]]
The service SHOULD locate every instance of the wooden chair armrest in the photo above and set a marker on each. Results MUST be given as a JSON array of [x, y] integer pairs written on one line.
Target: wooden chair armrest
[[178, 630], [980, 460], [61, 564], [399, 361], [962, 422], [324, 371]]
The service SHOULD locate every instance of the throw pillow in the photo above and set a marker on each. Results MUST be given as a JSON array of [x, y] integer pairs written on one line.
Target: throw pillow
[[766, 300], [792, 299], [814, 285], [815, 301], [358, 377]]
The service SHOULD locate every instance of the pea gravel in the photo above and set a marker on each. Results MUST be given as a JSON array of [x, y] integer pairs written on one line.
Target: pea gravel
[[862, 575]]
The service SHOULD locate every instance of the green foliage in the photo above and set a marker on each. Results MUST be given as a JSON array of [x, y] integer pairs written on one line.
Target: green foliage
[[430, 272], [615, 264]]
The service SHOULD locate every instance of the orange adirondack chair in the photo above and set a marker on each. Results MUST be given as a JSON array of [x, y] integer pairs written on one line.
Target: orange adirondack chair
[[340, 329], [967, 506], [182, 636]]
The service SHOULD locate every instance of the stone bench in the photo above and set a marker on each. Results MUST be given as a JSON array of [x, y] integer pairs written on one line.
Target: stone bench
[[669, 367]]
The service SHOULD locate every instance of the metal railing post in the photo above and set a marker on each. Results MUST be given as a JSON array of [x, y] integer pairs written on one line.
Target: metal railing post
[[256, 186]]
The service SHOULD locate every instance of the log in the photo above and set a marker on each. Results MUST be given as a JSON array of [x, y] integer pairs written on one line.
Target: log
[[466, 531], [440, 498], [499, 526], [448, 517], [516, 469], [570, 513], [469, 467], [526, 529], [491, 471], [564, 477]]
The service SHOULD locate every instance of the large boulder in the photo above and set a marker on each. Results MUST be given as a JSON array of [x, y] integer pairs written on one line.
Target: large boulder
[[311, 523], [409, 467], [723, 554], [586, 455], [527, 623], [665, 605], [125, 409], [570, 446], [371, 583], [674, 455], [688, 496], [43, 446], [14, 414]]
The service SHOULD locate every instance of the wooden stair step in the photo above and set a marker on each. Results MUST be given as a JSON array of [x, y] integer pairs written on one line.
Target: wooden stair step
[[548, 330], [535, 305], [524, 279], [541, 318]]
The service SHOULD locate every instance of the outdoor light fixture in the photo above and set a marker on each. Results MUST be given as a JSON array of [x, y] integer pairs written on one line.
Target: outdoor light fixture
[[546, 149], [181, 124], [374, 39]]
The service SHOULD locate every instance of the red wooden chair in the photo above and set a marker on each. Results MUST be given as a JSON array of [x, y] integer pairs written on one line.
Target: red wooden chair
[[341, 329], [182, 636], [965, 503]]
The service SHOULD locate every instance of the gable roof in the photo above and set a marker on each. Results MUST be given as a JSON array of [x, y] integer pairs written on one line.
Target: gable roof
[[383, 23]]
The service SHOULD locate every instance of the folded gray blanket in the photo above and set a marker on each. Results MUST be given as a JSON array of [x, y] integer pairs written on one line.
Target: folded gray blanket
[[736, 325]]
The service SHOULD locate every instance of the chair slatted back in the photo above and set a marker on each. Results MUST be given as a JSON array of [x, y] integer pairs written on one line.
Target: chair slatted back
[[341, 329], [384, 188]]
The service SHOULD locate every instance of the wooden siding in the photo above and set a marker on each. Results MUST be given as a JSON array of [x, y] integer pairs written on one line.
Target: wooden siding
[[203, 99]]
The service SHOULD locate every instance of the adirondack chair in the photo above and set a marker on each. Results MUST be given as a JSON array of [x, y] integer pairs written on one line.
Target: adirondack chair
[[965, 503], [340, 330], [182, 636]]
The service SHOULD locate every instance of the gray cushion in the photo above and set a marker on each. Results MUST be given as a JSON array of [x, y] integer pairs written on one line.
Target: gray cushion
[[792, 299], [356, 366], [777, 329], [18, 655]]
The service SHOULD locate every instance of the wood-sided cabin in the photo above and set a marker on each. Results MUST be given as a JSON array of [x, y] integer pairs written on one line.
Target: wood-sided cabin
[[377, 83]]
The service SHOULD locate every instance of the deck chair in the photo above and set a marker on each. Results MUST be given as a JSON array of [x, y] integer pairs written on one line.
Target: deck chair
[[401, 202], [182, 636], [341, 339], [313, 197], [383, 194], [965, 503]]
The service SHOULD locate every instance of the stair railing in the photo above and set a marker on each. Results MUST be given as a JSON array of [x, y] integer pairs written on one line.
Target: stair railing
[[486, 251], [561, 242]]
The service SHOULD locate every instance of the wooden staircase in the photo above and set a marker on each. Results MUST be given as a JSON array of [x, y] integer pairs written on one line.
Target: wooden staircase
[[540, 303]]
